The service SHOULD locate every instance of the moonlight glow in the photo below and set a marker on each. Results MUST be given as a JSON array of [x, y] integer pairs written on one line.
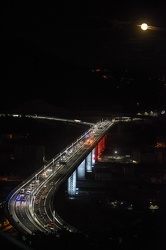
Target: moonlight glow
[[144, 26]]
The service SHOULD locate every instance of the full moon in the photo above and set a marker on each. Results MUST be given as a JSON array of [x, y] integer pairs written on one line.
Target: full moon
[[144, 26]]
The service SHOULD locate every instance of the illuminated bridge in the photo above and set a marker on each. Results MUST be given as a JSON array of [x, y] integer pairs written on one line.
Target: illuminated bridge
[[29, 207]]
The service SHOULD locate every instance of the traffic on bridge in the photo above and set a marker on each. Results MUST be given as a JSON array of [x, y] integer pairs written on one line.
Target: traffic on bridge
[[29, 206]]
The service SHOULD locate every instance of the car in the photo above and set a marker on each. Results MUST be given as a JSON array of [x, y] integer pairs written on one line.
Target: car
[[22, 190], [21, 197], [18, 198]]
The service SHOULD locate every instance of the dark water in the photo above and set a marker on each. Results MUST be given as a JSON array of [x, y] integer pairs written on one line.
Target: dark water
[[136, 226]]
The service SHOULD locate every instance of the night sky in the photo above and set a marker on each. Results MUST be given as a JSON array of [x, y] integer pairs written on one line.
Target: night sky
[[82, 55]]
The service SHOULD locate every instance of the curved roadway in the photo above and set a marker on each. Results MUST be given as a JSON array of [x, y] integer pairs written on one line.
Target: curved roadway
[[29, 207]]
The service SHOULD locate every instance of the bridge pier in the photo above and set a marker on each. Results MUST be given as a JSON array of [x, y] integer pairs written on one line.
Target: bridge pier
[[72, 184], [90, 161], [81, 170], [85, 166]]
